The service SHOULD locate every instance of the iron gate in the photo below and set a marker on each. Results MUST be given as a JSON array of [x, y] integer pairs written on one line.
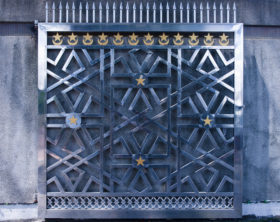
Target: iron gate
[[140, 119]]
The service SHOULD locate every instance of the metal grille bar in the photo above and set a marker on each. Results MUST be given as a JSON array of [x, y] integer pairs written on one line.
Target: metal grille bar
[[156, 13]]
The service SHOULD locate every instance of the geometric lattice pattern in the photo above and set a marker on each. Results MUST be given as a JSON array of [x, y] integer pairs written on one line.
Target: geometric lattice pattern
[[140, 121], [145, 203]]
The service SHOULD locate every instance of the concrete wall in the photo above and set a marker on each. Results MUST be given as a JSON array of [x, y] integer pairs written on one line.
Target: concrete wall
[[18, 99], [18, 113], [250, 12], [261, 120]]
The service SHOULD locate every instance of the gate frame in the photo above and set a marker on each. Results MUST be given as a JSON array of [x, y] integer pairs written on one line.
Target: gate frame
[[236, 28]]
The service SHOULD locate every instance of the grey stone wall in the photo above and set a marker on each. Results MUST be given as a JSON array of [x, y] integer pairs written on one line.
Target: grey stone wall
[[18, 99], [250, 12], [261, 119], [18, 114]]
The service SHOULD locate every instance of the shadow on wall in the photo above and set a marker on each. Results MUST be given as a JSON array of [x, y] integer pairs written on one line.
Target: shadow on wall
[[256, 133]]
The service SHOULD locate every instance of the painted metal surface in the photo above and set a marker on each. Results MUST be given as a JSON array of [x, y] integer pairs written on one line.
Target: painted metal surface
[[143, 120]]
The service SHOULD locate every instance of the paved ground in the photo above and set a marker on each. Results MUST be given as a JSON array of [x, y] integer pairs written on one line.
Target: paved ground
[[244, 219], [253, 212]]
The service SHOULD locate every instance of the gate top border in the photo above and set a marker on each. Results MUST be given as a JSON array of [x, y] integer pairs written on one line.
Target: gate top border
[[140, 13], [141, 27]]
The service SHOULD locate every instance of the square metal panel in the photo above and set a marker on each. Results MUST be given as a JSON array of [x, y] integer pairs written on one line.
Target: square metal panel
[[140, 121]]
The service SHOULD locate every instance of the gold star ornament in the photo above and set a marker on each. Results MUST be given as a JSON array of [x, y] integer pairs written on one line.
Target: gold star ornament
[[208, 39], [103, 39], [73, 39], [133, 37], [73, 120], [193, 37], [132, 40], [223, 37], [148, 40], [148, 37], [118, 39], [163, 39], [140, 161], [57, 39], [140, 81], [87, 39], [224, 41], [178, 39], [193, 41], [207, 121]]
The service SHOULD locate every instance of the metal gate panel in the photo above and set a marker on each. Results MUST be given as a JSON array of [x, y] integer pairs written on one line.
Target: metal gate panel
[[140, 121]]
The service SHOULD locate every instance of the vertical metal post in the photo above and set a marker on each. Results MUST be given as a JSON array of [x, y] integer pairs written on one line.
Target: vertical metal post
[[107, 12], [194, 12], [127, 12], [93, 12], [160, 12], [147, 12], [80, 12], [67, 12], [208, 12], [53, 12], [214, 13], [188, 12], [221, 12], [141, 12], [174, 12], [100, 12], [134, 12], [114, 12], [181, 12], [167, 12], [87, 12], [201, 13], [228, 12], [234, 13], [47, 12], [154, 12], [121, 12], [60, 12], [73, 13]]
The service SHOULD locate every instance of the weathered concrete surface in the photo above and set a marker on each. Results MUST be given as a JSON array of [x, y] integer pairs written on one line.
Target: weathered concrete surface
[[18, 112], [29, 212], [262, 120], [19, 212], [250, 12], [261, 209], [258, 12]]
